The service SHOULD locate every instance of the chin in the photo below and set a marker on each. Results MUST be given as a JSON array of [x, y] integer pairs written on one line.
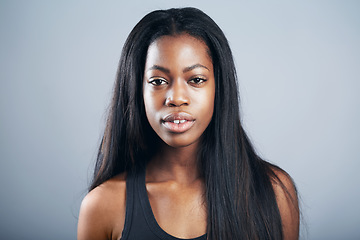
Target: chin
[[179, 142]]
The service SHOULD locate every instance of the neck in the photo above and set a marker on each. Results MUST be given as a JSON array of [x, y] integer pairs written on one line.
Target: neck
[[175, 164]]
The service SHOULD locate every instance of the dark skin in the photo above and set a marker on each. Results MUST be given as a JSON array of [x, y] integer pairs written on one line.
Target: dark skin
[[178, 79]]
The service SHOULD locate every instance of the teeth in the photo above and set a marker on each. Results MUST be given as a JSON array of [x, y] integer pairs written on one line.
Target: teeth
[[179, 121]]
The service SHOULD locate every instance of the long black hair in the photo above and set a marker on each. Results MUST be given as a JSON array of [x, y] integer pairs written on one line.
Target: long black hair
[[240, 198]]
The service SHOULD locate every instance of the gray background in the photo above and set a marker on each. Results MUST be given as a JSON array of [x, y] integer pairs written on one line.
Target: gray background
[[298, 65]]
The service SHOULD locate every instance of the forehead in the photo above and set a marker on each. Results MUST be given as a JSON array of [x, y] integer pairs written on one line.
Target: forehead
[[183, 47]]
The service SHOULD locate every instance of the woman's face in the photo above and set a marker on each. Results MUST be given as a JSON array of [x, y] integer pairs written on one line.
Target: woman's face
[[179, 89]]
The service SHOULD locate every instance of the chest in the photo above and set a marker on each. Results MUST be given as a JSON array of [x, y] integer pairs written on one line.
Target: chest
[[179, 211]]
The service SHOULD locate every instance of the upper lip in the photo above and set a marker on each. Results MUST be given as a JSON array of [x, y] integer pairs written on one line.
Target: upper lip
[[178, 116]]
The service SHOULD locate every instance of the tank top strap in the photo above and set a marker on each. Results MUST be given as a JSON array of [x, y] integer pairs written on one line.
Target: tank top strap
[[130, 185]]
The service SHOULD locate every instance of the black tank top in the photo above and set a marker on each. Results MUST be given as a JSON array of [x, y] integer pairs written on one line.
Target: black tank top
[[140, 223]]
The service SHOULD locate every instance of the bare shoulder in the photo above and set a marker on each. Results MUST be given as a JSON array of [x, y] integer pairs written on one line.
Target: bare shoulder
[[102, 211], [287, 200]]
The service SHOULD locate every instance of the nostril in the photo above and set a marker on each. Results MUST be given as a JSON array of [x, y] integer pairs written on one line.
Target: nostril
[[171, 102]]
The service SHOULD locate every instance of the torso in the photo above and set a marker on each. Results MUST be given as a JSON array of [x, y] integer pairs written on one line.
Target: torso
[[178, 210]]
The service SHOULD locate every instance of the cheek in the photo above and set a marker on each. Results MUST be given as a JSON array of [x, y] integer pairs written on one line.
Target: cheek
[[210, 99], [147, 102], [152, 105], [206, 106], [210, 109]]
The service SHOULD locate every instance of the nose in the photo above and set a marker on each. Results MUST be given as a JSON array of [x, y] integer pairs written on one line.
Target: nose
[[177, 94]]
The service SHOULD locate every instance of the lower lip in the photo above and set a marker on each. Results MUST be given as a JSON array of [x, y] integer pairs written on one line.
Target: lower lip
[[178, 127]]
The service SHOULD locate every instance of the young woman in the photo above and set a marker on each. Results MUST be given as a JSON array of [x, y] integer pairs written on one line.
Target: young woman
[[174, 161]]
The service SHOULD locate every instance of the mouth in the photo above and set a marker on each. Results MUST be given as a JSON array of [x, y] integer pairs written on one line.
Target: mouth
[[178, 122]]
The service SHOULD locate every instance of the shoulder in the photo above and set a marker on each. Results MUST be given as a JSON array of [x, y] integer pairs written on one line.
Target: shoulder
[[102, 211], [287, 200]]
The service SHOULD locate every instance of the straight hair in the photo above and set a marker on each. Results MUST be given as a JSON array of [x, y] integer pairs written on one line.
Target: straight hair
[[240, 199]]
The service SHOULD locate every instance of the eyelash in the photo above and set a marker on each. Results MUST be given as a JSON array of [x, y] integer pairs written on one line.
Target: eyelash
[[194, 81], [201, 81], [162, 81]]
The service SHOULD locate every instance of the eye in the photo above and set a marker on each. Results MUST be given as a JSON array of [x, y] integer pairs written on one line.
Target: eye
[[197, 81], [158, 81]]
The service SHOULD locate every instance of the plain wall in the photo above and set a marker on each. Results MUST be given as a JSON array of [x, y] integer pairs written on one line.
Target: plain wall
[[298, 64]]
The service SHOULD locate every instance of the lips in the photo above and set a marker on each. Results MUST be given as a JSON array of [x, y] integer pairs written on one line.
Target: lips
[[178, 122]]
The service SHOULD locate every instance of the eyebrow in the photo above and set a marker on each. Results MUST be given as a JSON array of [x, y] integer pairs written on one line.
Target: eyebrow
[[198, 65], [187, 69], [157, 67]]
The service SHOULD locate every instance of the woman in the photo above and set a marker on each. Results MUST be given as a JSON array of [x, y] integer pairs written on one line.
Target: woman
[[175, 162]]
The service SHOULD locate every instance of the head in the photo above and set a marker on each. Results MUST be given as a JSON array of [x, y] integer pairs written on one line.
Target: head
[[158, 27]]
